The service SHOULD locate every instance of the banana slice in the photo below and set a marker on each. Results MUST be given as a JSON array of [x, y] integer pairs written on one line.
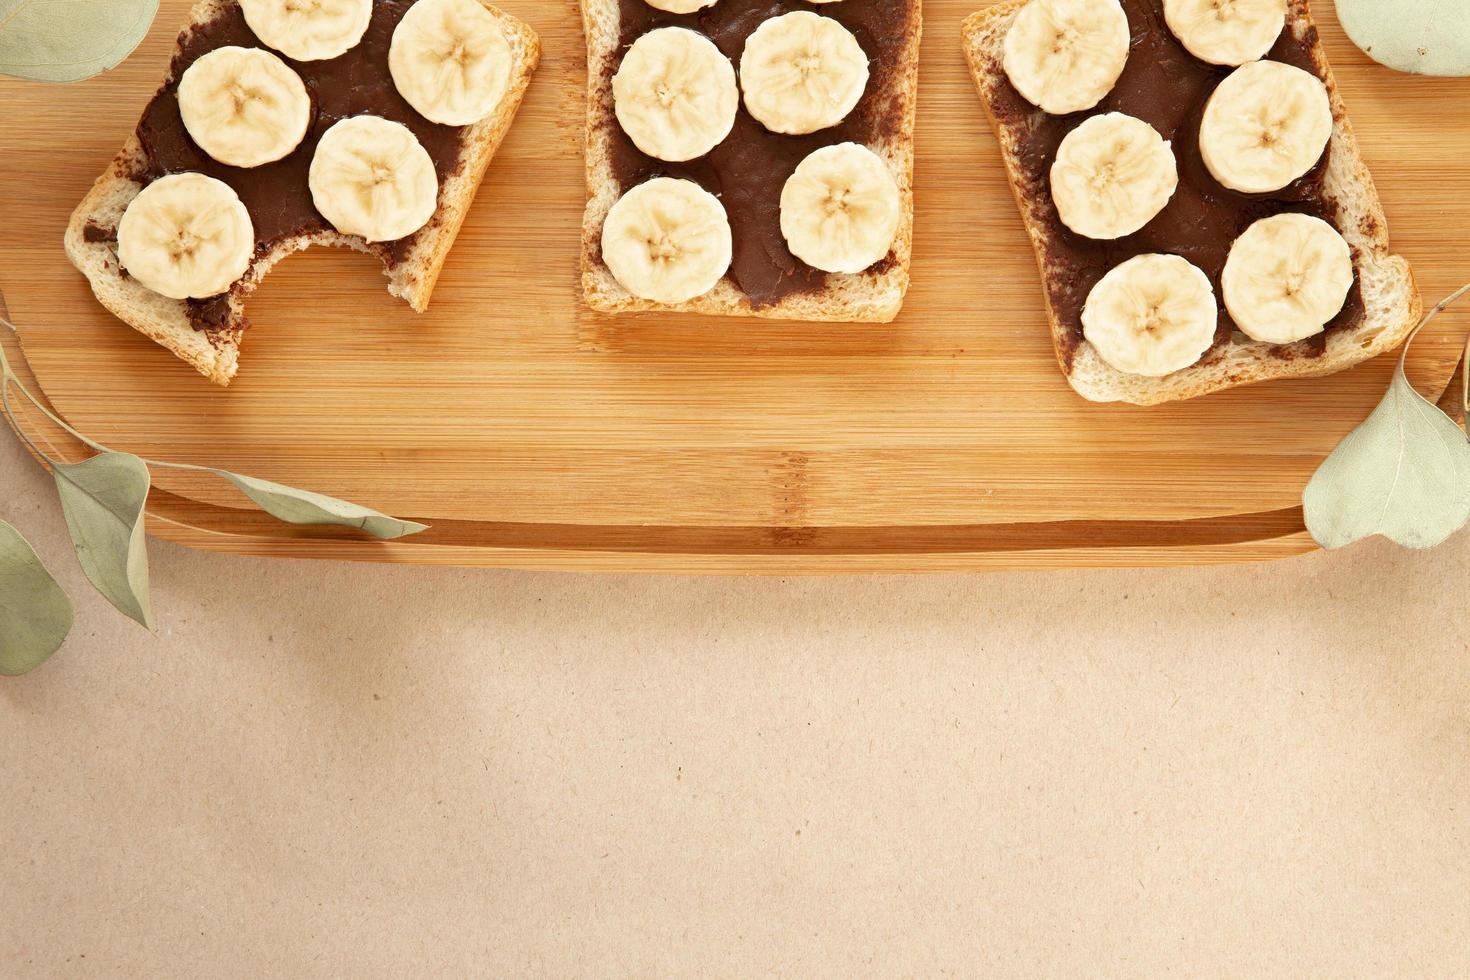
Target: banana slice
[[1226, 32], [1286, 278], [186, 236], [1266, 125], [667, 240], [1152, 315], [450, 60], [244, 106], [675, 94], [687, 6], [1066, 55], [372, 178], [1112, 175], [309, 30], [802, 72], [840, 209]]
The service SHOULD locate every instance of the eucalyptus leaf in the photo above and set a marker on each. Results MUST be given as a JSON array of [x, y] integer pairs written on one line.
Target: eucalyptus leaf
[[1428, 37], [103, 500], [304, 507], [1404, 473], [69, 40], [35, 615]]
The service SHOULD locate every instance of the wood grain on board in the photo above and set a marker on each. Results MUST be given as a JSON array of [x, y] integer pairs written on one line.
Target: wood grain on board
[[533, 432]]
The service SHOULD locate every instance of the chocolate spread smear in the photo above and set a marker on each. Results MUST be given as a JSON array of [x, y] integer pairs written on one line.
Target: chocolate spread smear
[[747, 171], [95, 233], [1167, 87]]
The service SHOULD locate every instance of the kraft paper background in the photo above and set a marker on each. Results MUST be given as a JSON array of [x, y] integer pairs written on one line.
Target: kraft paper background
[[339, 771]]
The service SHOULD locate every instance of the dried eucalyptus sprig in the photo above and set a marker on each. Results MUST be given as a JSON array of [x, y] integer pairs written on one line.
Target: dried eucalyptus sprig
[[1404, 473], [104, 498]]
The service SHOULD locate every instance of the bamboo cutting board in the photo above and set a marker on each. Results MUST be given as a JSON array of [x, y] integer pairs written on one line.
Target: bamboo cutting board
[[531, 432]]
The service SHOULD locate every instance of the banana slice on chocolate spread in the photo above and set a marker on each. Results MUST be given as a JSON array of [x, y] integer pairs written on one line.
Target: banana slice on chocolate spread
[[667, 240], [1265, 126], [1152, 315], [1066, 55], [1226, 32], [802, 72], [372, 178], [450, 60], [186, 236], [1112, 175], [309, 30], [840, 210], [244, 106], [1287, 277], [675, 94]]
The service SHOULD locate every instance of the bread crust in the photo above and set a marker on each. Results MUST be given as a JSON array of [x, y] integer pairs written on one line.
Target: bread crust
[[872, 297], [1392, 305], [215, 353]]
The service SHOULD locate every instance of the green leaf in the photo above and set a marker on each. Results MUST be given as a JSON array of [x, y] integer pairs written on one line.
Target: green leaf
[[35, 615], [1404, 473], [68, 40], [304, 507], [103, 500], [1430, 37]]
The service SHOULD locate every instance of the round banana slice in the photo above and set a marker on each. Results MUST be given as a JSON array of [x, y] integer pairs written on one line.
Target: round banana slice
[[1066, 55], [1286, 278], [186, 236], [667, 240], [1266, 125], [372, 178], [450, 60], [1112, 175], [1152, 315], [675, 94], [244, 106], [802, 72], [687, 6], [1226, 32], [840, 210], [309, 30]]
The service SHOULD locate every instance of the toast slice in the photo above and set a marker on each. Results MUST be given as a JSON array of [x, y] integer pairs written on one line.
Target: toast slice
[[215, 351], [1390, 298], [875, 295]]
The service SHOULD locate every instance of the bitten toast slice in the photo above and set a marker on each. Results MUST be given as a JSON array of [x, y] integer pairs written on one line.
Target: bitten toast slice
[[215, 352]]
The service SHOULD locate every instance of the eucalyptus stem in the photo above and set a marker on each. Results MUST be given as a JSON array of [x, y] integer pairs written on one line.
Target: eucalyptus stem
[[1438, 308], [92, 443], [5, 382], [12, 379], [179, 466]]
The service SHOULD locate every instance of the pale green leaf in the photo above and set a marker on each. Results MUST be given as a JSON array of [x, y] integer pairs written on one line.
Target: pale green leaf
[[1404, 474], [35, 615], [68, 40], [1430, 37], [304, 507], [103, 500]]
